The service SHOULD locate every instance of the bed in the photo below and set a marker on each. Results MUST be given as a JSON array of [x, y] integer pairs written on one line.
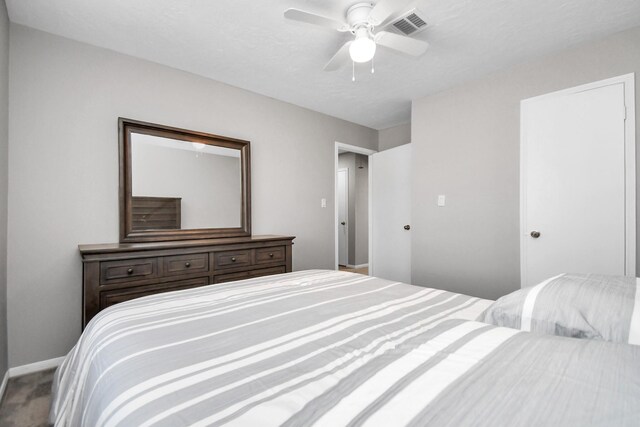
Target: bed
[[332, 348]]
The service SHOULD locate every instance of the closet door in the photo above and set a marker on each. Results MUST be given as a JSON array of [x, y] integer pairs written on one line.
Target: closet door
[[578, 183]]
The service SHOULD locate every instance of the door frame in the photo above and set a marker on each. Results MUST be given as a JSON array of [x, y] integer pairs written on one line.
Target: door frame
[[358, 150], [628, 80], [338, 217]]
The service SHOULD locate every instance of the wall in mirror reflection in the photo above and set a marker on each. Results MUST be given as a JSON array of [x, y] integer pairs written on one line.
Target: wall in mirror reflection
[[207, 179]]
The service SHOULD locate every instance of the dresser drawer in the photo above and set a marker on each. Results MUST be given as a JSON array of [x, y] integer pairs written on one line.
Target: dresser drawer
[[108, 298], [230, 277], [232, 259], [128, 270], [269, 255], [115, 273], [185, 264]]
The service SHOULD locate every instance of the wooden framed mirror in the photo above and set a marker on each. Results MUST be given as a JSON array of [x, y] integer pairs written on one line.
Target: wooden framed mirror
[[177, 184]]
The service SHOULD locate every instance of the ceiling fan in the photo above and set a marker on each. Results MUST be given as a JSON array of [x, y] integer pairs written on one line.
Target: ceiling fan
[[361, 20]]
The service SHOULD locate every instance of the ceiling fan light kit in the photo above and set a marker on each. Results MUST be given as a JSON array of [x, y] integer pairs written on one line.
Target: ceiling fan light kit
[[363, 48], [361, 21]]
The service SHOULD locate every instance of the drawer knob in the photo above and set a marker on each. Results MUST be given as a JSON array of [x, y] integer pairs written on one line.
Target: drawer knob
[[233, 259], [271, 255], [187, 264], [130, 271]]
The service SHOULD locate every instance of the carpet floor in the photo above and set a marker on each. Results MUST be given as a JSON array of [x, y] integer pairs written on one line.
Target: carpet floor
[[27, 400]]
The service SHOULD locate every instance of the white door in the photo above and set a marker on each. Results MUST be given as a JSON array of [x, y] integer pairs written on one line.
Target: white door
[[574, 195], [343, 214], [391, 213]]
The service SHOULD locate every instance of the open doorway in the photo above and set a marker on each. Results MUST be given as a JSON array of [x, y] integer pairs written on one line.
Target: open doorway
[[353, 208]]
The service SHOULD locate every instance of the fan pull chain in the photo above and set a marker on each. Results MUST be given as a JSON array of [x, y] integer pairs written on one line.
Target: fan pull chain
[[353, 71], [373, 70]]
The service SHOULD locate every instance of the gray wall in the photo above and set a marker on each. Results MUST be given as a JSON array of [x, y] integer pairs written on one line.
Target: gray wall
[[394, 136], [65, 98], [362, 209], [466, 145], [4, 166]]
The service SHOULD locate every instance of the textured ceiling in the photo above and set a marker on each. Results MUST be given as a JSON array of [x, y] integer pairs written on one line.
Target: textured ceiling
[[250, 45]]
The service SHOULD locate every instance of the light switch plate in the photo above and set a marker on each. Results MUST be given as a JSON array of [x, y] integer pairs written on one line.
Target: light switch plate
[[441, 200], [323, 203]]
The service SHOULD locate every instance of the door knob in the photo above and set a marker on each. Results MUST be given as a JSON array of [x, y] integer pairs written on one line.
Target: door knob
[[343, 223], [407, 227], [535, 234]]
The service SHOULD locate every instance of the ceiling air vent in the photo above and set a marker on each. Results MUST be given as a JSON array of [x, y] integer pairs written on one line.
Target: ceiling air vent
[[409, 23]]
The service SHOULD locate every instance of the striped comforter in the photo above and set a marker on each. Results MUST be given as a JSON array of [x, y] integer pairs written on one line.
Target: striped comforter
[[332, 348]]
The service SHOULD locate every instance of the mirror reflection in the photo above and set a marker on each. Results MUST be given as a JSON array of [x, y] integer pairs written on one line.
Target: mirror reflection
[[184, 185]]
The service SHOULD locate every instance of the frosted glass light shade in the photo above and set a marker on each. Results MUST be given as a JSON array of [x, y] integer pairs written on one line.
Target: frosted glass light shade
[[362, 49]]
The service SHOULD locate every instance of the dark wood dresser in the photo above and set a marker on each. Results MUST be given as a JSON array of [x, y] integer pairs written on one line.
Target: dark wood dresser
[[118, 272]]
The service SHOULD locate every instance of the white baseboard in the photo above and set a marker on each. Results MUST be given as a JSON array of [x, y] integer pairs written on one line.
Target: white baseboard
[[3, 386], [35, 367], [357, 266]]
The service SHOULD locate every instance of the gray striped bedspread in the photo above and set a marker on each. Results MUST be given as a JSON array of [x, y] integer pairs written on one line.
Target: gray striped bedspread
[[331, 348]]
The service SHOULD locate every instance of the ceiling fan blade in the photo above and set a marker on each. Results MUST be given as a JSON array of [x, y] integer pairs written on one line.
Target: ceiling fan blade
[[385, 8], [402, 44], [312, 18], [340, 59]]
